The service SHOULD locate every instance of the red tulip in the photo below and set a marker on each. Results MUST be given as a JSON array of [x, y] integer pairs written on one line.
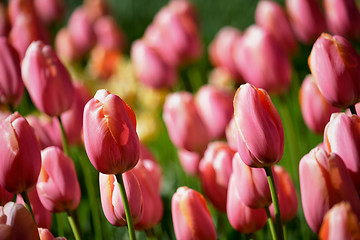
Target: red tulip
[[5, 196], [189, 161]]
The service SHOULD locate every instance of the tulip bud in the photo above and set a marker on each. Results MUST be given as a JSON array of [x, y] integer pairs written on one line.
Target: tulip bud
[[111, 199], [5, 196], [342, 136], [262, 61], [108, 34], [114, 147], [183, 122], [231, 134], [11, 84], [334, 64], [21, 160], [58, 186], [45, 234], [325, 181], [49, 10], [191, 217], [189, 161], [241, 217], [215, 171], [340, 222], [47, 80], [215, 108], [316, 111], [65, 46], [306, 19], [260, 136]]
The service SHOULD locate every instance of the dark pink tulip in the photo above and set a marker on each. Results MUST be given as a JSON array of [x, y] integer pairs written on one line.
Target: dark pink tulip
[[149, 68], [262, 61], [325, 181], [45, 234], [272, 17], [65, 46], [316, 110], [260, 135], [215, 170], [306, 19], [16, 223], [111, 200], [342, 136], [191, 217], [241, 217], [145, 153], [58, 186], [4, 25], [189, 161], [5, 196], [252, 185], [49, 10], [21, 160], [110, 137], [109, 34], [221, 50], [215, 107], [47, 80], [185, 126], [334, 63], [11, 84], [340, 222]]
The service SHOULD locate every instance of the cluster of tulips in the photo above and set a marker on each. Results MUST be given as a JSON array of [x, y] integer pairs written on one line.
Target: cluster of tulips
[[230, 140]]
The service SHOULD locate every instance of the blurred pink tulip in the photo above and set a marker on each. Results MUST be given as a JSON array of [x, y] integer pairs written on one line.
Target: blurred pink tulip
[[325, 181], [111, 200], [221, 79], [189, 161], [306, 19], [11, 84], [260, 135], [340, 222], [58, 186], [183, 122], [45, 234], [241, 217], [316, 111], [231, 133], [4, 25], [65, 46], [110, 137], [191, 217], [215, 107], [262, 61], [21, 160], [334, 63], [109, 34], [145, 153], [342, 136], [16, 8], [215, 171], [5, 196], [47, 80], [49, 10], [272, 17]]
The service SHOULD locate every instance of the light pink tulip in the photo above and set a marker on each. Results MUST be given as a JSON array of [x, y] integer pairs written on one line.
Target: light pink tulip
[[189, 161], [65, 46], [262, 61], [45, 234], [325, 181], [49, 10], [108, 34], [260, 135], [58, 186], [21, 160], [5, 196], [110, 137], [231, 134], [191, 217]]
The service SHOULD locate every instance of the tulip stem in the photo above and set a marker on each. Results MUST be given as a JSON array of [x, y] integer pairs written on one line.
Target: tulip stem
[[150, 234], [25, 197], [73, 225], [276, 205], [271, 224], [285, 231], [63, 138], [352, 109], [126, 207]]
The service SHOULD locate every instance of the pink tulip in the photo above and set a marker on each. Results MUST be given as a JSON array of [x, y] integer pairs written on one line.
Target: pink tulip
[[306, 19], [334, 62], [19, 7], [111, 200], [241, 217], [221, 78], [215, 171], [260, 132], [262, 61], [108, 34], [113, 147], [325, 181], [45, 234], [145, 153], [184, 124], [342, 136], [21, 160], [16, 223], [49, 10], [316, 111], [11, 84], [272, 17], [5, 196], [65, 46], [189, 161], [47, 80], [231, 134], [57, 186], [216, 109], [340, 222], [4, 25], [191, 217]]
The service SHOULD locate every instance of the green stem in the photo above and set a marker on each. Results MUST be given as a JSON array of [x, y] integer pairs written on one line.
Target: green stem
[[352, 109], [73, 225], [63, 138], [25, 197], [59, 223], [285, 231], [271, 224], [275, 200], [126, 207]]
